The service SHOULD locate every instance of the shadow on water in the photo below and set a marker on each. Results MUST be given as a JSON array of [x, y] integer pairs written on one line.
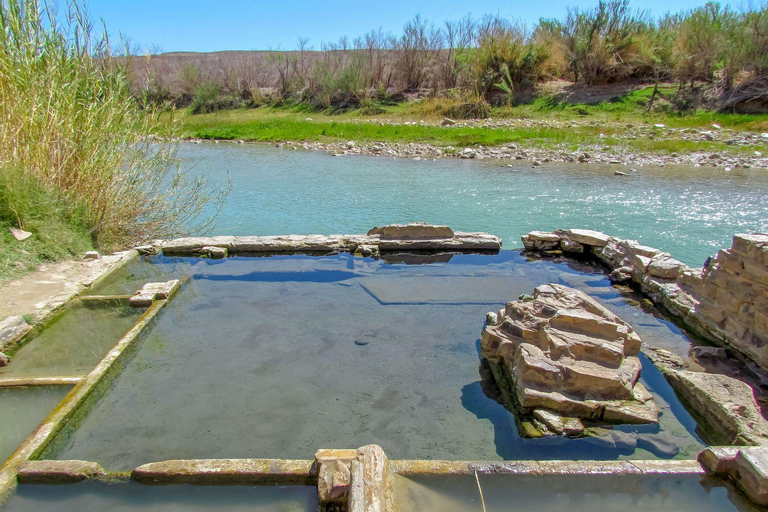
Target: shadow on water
[[313, 276]]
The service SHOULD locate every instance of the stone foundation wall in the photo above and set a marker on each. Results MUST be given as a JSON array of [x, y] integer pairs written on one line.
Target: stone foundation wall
[[726, 301]]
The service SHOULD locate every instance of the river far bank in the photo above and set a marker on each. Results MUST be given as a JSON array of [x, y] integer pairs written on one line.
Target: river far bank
[[513, 155], [723, 141]]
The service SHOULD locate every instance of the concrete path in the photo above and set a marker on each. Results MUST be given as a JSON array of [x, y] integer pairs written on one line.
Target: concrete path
[[45, 289]]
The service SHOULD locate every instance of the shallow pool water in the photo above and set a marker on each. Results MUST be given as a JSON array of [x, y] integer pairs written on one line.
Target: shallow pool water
[[128, 497], [690, 212], [568, 493], [21, 410], [73, 343], [280, 356]]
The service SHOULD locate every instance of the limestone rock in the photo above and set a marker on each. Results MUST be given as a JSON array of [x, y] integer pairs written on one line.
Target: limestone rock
[[369, 488], [19, 234], [747, 467], [665, 267], [92, 255], [151, 292], [727, 405], [541, 240], [589, 237], [58, 471], [12, 329], [411, 231], [565, 355], [215, 253], [333, 474]]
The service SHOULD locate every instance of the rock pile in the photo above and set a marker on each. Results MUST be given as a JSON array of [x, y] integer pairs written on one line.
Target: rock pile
[[566, 363], [725, 302]]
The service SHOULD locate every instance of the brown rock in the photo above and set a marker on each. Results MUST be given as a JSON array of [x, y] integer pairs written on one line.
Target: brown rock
[[411, 231], [727, 405], [564, 354], [665, 267], [58, 471], [589, 237]]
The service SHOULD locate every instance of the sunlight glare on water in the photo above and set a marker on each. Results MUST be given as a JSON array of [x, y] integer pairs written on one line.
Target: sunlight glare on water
[[690, 212]]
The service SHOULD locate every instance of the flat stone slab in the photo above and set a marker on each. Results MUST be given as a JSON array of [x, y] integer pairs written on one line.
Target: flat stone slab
[[58, 471], [422, 238], [589, 237], [151, 292], [227, 471], [549, 467], [726, 404], [413, 230]]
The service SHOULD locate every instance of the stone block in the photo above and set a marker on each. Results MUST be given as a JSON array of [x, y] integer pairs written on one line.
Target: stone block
[[640, 262], [756, 273], [333, 475], [731, 262], [665, 268], [752, 468], [589, 237], [634, 247], [215, 253], [411, 231], [727, 405], [750, 245], [58, 471], [369, 489], [719, 460]]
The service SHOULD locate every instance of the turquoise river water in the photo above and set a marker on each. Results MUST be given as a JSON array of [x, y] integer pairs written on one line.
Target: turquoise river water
[[690, 212]]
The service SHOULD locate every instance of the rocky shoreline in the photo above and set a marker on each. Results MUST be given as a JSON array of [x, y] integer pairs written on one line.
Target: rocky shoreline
[[623, 158]]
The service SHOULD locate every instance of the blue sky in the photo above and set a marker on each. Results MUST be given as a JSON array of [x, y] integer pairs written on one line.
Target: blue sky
[[197, 25]]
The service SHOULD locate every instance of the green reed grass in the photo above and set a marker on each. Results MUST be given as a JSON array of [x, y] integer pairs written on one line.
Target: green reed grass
[[73, 145]]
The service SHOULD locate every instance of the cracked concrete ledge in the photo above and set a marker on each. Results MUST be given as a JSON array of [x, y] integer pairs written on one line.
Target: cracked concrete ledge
[[42, 292], [18, 382], [58, 419], [370, 244], [228, 471], [546, 467], [304, 472]]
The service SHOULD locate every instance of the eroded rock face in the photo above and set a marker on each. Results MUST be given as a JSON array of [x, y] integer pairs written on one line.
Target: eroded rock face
[[564, 360], [726, 405], [726, 301]]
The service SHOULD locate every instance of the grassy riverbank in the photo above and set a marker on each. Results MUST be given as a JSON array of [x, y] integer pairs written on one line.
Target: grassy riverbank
[[544, 123]]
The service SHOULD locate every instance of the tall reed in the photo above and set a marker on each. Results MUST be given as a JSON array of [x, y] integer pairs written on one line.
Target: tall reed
[[70, 128]]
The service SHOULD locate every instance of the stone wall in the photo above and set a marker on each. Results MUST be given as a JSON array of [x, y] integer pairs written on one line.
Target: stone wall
[[726, 301]]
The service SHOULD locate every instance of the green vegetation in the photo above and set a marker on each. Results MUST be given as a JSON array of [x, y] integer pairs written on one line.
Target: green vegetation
[[567, 124], [715, 57], [77, 169]]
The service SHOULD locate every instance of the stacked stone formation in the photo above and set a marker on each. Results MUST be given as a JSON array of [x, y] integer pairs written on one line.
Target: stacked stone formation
[[726, 302], [733, 295], [563, 359]]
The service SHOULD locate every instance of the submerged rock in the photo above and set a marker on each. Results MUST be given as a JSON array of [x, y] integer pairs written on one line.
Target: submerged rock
[[565, 359]]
